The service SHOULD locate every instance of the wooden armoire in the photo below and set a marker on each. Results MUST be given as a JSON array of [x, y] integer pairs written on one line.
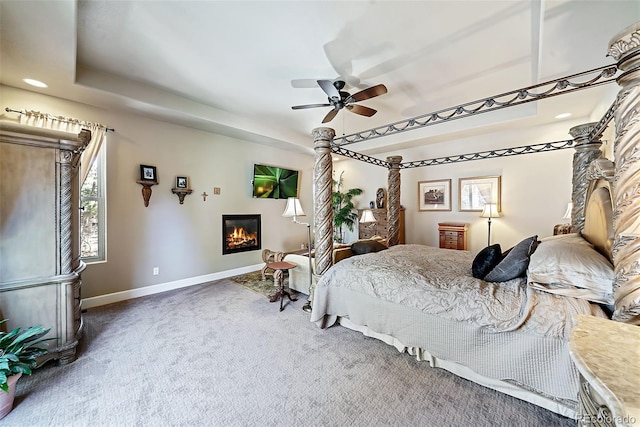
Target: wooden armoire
[[40, 262]]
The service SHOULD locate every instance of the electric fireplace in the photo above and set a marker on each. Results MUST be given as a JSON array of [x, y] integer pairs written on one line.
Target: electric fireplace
[[240, 233]]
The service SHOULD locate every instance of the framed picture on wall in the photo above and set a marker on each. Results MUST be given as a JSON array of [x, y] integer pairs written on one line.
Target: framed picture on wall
[[475, 192], [148, 173], [434, 195], [181, 182]]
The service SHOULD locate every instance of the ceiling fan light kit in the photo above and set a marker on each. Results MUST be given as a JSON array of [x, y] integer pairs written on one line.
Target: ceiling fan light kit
[[339, 99]]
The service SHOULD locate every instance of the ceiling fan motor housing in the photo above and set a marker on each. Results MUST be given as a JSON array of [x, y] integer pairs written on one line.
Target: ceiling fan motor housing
[[339, 99], [339, 103]]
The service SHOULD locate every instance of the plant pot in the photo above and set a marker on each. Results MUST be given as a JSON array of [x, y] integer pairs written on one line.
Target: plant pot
[[6, 399]]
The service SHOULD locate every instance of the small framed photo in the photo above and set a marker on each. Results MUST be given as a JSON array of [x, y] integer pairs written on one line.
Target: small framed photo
[[181, 182], [434, 195], [477, 191], [148, 173]]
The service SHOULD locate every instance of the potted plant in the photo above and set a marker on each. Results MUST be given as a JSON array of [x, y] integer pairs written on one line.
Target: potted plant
[[344, 212], [19, 350]]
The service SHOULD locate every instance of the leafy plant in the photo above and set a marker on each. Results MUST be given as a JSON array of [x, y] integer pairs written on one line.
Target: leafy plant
[[19, 350], [344, 212]]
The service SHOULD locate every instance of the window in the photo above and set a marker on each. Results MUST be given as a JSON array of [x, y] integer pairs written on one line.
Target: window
[[92, 211]]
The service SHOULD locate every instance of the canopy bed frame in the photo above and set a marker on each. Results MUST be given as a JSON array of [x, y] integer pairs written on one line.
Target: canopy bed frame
[[605, 195]]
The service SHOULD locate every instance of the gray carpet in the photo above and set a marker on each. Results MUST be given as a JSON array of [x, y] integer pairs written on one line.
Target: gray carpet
[[221, 355]]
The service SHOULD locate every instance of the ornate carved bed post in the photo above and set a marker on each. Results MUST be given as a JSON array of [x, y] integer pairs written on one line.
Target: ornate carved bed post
[[586, 152], [393, 199], [322, 192], [625, 48]]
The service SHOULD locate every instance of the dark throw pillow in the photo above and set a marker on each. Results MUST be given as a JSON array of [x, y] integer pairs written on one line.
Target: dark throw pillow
[[366, 246], [515, 263], [486, 260]]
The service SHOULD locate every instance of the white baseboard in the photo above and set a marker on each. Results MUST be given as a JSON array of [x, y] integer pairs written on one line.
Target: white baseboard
[[163, 287]]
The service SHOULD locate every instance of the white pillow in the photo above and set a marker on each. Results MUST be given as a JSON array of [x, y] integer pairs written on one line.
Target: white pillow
[[568, 238], [569, 265]]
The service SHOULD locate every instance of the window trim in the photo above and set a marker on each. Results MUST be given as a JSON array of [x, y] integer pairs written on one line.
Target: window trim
[[100, 164]]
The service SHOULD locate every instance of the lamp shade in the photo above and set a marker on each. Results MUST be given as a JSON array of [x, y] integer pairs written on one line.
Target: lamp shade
[[293, 208], [367, 216], [567, 214], [490, 211]]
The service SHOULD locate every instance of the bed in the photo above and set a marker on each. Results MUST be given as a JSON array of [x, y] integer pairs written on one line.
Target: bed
[[510, 334]]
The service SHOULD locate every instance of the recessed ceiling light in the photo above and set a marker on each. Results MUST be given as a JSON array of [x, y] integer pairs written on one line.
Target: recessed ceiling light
[[563, 115], [335, 159], [36, 83]]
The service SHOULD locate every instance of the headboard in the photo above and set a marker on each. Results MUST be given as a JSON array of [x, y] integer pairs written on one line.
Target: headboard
[[598, 223]]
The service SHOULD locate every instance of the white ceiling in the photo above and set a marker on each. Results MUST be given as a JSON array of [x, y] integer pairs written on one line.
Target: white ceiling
[[237, 67]]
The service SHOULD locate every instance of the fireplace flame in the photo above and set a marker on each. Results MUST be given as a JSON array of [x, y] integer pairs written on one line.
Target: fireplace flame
[[238, 233], [241, 238]]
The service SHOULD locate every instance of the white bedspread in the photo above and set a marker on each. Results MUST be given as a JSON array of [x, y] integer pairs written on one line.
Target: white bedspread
[[439, 282], [426, 299]]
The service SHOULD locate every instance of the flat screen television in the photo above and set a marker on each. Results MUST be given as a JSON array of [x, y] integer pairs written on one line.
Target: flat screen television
[[270, 182]]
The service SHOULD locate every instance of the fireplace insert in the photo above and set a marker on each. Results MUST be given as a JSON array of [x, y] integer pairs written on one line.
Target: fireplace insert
[[241, 233]]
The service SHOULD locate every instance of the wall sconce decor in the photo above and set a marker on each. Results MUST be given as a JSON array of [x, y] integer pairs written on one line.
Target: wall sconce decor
[[181, 189], [148, 178]]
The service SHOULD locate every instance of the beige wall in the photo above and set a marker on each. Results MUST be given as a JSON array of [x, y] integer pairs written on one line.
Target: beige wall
[[183, 241], [535, 187]]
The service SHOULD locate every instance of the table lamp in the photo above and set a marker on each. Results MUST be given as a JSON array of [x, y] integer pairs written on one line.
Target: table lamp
[[294, 210], [368, 218], [569, 211], [490, 211]]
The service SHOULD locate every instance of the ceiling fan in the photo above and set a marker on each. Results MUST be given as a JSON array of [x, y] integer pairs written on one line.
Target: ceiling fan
[[339, 99]]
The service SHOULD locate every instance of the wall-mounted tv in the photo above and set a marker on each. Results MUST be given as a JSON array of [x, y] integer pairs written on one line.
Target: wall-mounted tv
[[270, 182]]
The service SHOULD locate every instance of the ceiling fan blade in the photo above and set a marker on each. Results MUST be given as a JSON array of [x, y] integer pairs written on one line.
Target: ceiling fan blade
[[304, 83], [328, 88], [376, 90], [302, 107], [362, 110], [330, 115], [339, 56]]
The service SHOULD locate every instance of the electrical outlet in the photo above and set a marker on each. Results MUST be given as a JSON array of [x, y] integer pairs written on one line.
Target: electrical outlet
[[156, 271]]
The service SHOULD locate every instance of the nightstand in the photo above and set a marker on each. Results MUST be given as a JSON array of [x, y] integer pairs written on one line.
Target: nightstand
[[606, 354], [453, 235], [562, 229]]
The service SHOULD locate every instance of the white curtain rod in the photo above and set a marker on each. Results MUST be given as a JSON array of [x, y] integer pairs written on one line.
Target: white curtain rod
[[58, 118]]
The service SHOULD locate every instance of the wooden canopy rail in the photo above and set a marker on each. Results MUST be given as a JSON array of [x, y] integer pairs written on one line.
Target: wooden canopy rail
[[625, 49]]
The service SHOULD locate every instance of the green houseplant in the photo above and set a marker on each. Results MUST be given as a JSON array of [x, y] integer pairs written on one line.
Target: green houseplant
[[19, 350], [344, 212]]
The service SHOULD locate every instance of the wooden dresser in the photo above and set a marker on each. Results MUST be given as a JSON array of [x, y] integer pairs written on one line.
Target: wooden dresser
[[453, 235], [381, 227], [39, 241]]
